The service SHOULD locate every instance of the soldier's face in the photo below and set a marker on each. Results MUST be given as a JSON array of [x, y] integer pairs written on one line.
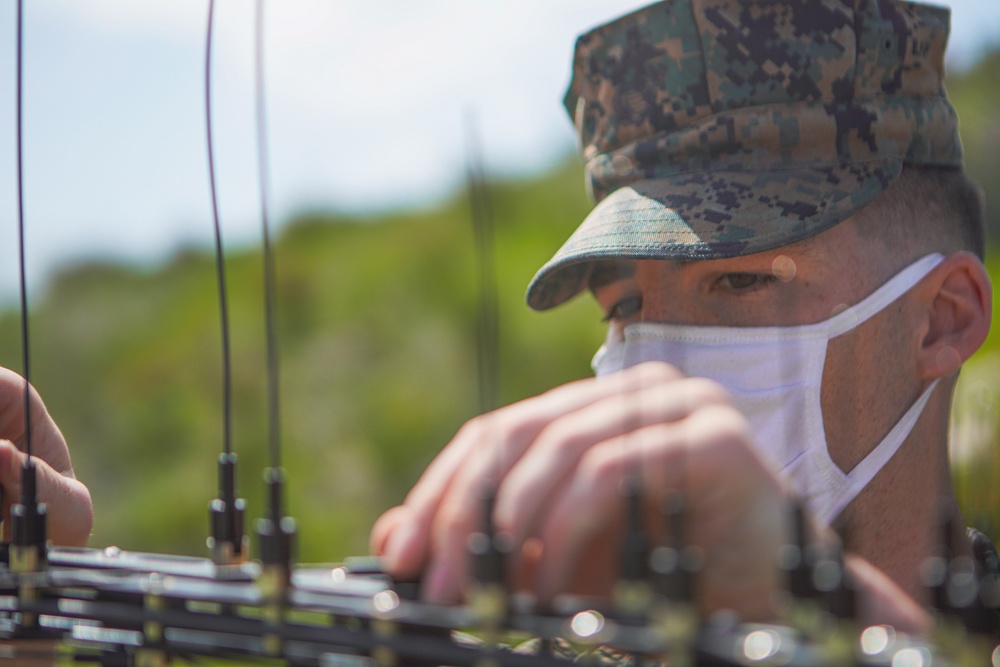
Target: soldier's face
[[870, 376]]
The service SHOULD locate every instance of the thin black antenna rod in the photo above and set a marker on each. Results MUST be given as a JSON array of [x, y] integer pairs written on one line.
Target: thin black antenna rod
[[487, 320], [270, 297], [228, 539], [220, 267], [276, 532], [28, 526], [25, 356], [488, 548]]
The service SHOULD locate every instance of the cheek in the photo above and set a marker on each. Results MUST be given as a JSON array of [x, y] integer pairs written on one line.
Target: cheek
[[869, 381]]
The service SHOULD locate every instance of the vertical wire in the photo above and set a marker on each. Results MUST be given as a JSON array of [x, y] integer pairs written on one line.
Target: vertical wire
[[219, 257], [487, 318], [25, 356], [487, 310], [634, 543], [488, 548], [273, 404]]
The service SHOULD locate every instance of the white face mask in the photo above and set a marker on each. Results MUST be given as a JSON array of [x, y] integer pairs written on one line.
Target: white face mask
[[774, 376]]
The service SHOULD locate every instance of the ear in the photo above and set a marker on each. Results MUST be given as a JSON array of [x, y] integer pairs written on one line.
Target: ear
[[959, 303]]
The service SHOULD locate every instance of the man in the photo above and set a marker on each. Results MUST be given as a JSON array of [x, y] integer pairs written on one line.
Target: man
[[781, 209]]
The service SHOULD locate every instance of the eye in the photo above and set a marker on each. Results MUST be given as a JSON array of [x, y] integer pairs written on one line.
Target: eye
[[625, 309], [745, 282]]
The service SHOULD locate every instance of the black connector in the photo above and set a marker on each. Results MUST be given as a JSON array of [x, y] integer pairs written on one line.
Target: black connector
[[488, 550], [228, 540], [29, 549], [674, 564], [633, 594], [799, 555], [634, 550], [276, 539]]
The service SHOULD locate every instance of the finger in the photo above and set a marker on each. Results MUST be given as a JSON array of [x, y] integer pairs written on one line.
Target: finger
[[10, 481], [408, 549], [591, 501], [504, 437], [393, 538], [47, 441], [882, 601], [447, 573], [383, 528], [485, 449], [557, 452], [737, 512], [70, 514], [736, 506], [518, 425]]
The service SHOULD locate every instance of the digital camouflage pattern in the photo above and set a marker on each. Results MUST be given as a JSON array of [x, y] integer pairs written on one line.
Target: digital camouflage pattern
[[716, 128]]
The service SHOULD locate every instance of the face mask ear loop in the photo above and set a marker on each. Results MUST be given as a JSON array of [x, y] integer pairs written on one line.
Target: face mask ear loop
[[847, 321], [901, 283], [864, 472]]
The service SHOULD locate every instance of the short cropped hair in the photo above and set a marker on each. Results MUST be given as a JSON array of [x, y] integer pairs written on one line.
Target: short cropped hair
[[928, 209]]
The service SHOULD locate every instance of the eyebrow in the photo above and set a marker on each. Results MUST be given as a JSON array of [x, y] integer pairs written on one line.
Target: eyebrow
[[608, 271], [605, 272]]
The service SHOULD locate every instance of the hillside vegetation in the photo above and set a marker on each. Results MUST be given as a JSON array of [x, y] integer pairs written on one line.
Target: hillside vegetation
[[376, 321], [377, 338]]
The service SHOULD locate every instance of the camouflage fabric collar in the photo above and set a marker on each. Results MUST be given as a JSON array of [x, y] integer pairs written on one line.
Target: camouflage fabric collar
[[716, 128]]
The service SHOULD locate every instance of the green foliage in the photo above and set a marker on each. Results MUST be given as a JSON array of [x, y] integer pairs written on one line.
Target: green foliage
[[376, 329], [975, 434], [975, 94], [975, 431]]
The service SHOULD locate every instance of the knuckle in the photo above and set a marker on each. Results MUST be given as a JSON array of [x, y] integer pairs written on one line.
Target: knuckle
[[723, 425], [561, 437], [518, 431], [453, 517], [561, 390], [475, 427], [599, 465], [493, 427], [657, 371], [705, 391]]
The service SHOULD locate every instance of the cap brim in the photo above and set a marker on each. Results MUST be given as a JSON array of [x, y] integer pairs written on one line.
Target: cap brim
[[709, 215]]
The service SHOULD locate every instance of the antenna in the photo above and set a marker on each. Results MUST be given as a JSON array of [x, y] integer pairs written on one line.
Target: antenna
[[275, 532], [270, 297], [673, 566], [28, 551], [227, 541], [488, 548], [487, 315], [633, 593]]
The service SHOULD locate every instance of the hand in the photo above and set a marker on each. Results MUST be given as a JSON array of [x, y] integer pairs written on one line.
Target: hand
[[70, 513], [558, 460]]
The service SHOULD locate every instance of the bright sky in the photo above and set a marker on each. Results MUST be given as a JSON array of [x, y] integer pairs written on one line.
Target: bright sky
[[366, 100]]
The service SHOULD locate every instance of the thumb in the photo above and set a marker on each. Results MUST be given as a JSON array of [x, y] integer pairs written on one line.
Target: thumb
[[11, 462], [70, 514]]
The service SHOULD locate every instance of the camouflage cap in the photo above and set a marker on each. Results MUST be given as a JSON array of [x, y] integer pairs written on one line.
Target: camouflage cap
[[718, 128]]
